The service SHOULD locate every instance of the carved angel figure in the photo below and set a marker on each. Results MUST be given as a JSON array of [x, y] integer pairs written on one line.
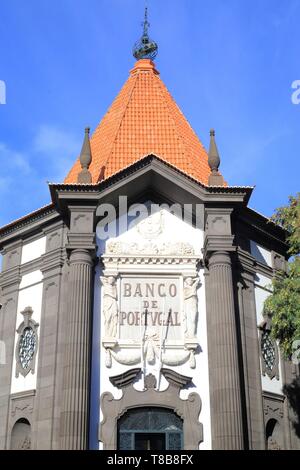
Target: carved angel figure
[[191, 306], [110, 306]]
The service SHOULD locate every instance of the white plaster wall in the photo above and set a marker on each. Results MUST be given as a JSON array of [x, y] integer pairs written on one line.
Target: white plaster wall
[[262, 292], [33, 250], [260, 253], [30, 295], [174, 230]]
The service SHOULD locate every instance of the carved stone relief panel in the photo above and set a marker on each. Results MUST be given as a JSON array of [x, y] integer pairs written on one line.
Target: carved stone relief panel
[[274, 421], [20, 420], [188, 410], [150, 318], [150, 297]]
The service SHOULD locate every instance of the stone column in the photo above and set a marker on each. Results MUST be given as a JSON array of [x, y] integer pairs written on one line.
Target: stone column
[[76, 389], [251, 352], [46, 433], [10, 279], [226, 393]]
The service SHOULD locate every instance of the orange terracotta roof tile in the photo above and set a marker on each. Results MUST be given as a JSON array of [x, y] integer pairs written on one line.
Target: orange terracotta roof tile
[[144, 119]]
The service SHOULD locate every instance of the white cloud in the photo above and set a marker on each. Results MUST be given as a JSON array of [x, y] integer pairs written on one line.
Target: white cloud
[[59, 150], [13, 160], [24, 173]]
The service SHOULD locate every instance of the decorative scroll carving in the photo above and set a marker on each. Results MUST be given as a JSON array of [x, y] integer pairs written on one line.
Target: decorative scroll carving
[[129, 377], [188, 410], [126, 378], [110, 306], [27, 344], [176, 379]]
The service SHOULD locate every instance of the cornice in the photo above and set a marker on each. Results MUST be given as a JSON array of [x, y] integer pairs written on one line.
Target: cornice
[[28, 224], [252, 265]]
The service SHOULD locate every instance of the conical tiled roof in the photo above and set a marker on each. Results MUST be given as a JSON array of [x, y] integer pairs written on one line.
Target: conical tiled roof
[[144, 119]]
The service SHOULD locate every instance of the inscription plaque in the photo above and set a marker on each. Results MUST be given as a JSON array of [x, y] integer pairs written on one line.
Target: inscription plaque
[[150, 306]]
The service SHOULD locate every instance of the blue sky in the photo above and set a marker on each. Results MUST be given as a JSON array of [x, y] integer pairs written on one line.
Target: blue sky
[[229, 64]]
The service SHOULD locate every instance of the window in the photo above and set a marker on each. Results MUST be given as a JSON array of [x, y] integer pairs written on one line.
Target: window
[[268, 349], [27, 343], [21, 435], [273, 435], [150, 429]]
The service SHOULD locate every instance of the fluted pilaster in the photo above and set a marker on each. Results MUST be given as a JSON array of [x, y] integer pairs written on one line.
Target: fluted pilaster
[[226, 394], [75, 414]]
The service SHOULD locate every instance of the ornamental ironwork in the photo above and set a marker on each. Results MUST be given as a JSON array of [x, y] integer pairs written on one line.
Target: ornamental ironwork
[[27, 347], [268, 349], [27, 344], [145, 48]]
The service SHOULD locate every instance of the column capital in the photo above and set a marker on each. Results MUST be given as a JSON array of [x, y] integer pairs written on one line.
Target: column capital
[[82, 224], [219, 258], [82, 255], [218, 232]]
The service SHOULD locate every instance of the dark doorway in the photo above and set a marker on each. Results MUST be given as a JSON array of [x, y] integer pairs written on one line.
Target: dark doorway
[[150, 441], [150, 429]]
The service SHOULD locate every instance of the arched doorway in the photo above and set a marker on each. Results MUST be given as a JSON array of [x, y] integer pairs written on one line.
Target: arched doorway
[[150, 428], [274, 438], [21, 435]]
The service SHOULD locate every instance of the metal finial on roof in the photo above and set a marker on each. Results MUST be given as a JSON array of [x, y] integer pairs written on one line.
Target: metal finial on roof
[[85, 158], [145, 48], [215, 179]]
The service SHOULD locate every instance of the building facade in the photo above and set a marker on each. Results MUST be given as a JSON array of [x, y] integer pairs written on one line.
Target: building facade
[[132, 305]]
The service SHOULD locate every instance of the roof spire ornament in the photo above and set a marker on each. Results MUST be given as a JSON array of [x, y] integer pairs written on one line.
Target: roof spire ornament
[[215, 178], [85, 177], [145, 48]]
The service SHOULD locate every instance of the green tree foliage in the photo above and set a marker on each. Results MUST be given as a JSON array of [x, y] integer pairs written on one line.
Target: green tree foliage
[[284, 303]]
